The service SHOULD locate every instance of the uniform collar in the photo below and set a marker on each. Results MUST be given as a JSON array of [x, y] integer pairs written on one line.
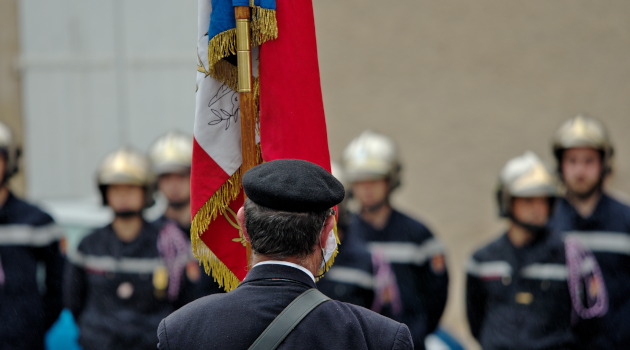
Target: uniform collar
[[578, 219], [274, 271], [286, 263]]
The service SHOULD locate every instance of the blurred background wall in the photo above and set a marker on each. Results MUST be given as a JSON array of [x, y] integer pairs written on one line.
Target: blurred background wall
[[462, 86]]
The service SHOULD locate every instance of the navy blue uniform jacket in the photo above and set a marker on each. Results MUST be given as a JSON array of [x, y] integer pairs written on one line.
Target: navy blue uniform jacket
[[109, 287], [606, 232], [191, 289], [417, 260], [234, 320], [518, 298], [29, 240]]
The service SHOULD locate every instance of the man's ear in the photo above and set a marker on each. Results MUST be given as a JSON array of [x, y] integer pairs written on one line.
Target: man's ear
[[329, 224], [240, 218]]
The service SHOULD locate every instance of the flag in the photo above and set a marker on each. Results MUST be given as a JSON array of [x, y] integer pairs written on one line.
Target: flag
[[291, 121]]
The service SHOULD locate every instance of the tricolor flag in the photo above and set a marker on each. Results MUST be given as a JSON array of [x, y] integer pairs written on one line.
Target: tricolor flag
[[291, 117]]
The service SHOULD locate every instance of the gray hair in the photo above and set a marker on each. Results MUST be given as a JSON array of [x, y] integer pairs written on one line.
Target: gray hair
[[282, 234]]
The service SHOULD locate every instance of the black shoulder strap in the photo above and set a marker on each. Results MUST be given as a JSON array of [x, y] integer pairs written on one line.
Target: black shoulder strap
[[284, 323]]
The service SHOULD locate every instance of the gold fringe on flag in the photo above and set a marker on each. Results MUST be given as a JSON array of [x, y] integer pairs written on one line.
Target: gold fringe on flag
[[227, 74], [209, 211], [215, 206], [213, 266], [220, 46], [264, 28], [264, 25]]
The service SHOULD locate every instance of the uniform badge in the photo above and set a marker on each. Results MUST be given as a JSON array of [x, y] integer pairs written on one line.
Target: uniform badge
[[524, 298], [193, 271], [124, 290], [160, 281], [593, 288], [438, 265]]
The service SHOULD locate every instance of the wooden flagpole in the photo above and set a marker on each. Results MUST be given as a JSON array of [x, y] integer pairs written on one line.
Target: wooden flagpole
[[246, 92]]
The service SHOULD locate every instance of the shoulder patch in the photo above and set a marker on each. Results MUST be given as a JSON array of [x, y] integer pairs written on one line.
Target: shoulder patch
[[438, 264]]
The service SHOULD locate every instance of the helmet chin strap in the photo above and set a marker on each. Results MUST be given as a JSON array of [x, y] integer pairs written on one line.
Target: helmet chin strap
[[374, 207], [127, 214], [179, 204], [536, 230]]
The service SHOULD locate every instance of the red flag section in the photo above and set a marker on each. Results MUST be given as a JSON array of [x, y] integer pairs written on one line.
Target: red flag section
[[292, 122]]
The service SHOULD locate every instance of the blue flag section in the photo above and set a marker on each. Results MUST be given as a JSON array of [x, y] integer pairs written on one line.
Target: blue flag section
[[222, 16]]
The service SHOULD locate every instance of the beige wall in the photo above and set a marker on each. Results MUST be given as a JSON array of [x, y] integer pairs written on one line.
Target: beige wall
[[465, 85], [10, 104]]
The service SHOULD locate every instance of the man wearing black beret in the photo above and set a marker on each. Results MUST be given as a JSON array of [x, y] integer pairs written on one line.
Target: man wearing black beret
[[289, 220]]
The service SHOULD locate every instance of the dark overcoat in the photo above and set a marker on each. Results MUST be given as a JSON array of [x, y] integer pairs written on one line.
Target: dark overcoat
[[234, 320]]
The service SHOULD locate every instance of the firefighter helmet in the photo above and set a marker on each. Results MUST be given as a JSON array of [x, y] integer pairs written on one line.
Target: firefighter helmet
[[10, 150], [524, 176], [171, 153], [372, 156], [126, 166], [583, 131]]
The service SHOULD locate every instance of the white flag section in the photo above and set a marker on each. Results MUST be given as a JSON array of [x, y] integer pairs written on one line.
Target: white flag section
[[217, 128]]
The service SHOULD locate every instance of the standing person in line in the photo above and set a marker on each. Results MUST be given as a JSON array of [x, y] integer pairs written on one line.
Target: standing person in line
[[351, 278], [117, 283], [417, 259], [518, 293], [288, 220], [583, 152], [31, 264], [171, 158]]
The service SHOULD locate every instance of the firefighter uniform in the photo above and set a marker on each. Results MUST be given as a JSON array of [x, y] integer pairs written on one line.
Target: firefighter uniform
[[31, 264], [171, 160], [117, 291], [518, 298], [195, 282], [417, 260], [606, 232], [521, 290], [30, 301], [372, 166], [120, 282]]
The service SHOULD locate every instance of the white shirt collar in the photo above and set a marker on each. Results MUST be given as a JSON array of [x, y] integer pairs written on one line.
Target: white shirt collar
[[286, 263]]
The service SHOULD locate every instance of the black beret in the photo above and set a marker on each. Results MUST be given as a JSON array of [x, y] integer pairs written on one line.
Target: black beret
[[292, 185]]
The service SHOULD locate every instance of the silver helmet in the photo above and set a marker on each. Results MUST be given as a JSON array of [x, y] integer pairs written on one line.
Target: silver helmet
[[171, 153], [10, 150], [126, 166], [524, 176], [372, 156], [587, 132]]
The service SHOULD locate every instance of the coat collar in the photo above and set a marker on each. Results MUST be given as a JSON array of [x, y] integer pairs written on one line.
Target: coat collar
[[278, 272]]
